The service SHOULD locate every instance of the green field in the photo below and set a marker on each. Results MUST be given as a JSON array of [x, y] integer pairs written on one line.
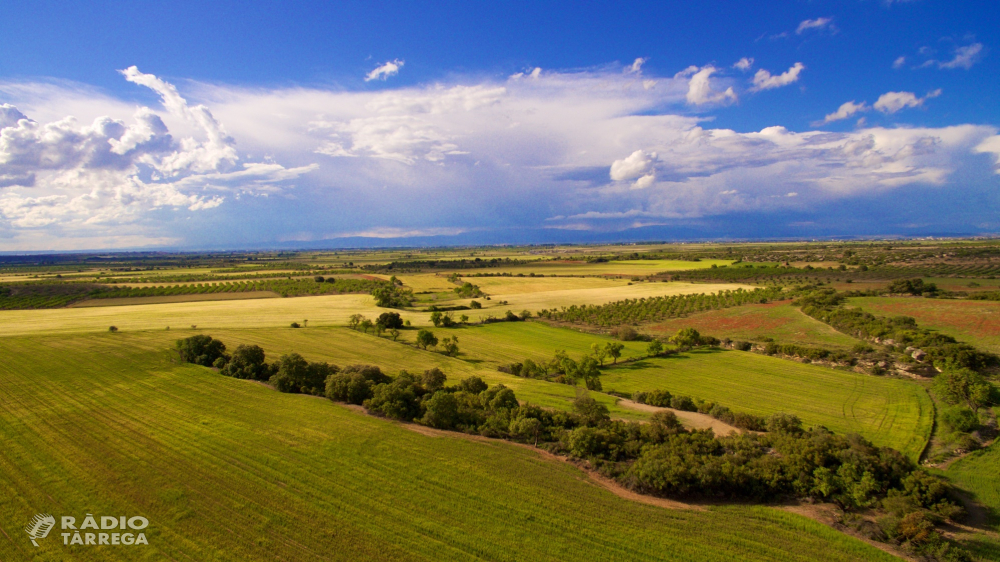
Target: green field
[[229, 470], [974, 322], [753, 322], [491, 345], [979, 474], [890, 412]]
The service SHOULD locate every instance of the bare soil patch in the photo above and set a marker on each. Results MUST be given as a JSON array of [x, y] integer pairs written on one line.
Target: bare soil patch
[[690, 419]]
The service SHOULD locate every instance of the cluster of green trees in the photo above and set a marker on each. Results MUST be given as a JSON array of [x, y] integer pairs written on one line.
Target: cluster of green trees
[[915, 286], [635, 311], [562, 369], [418, 265], [391, 295], [943, 351], [469, 291], [390, 322], [445, 319], [742, 420], [967, 421]]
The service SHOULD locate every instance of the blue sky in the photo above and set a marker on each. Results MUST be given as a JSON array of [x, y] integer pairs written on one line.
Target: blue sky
[[211, 125]]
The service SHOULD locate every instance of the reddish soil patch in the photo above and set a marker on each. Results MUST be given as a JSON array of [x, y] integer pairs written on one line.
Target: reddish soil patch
[[977, 318], [739, 319]]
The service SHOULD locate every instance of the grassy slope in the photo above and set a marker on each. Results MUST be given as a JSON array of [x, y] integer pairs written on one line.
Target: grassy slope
[[978, 474], [974, 322], [228, 469], [781, 321], [890, 412]]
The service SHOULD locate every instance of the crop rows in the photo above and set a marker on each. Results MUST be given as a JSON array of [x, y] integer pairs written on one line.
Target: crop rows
[[636, 311], [59, 295]]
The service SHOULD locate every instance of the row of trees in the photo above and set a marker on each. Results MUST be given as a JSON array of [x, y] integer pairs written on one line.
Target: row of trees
[[944, 351], [635, 311]]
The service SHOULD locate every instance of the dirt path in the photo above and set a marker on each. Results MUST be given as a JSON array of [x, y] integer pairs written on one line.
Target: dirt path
[[690, 419]]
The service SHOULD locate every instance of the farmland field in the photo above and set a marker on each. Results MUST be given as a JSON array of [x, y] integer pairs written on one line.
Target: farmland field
[[319, 310], [616, 268], [226, 469], [778, 320], [889, 412], [974, 322], [979, 474]]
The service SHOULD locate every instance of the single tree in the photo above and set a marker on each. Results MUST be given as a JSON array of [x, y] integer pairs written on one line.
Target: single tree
[[654, 348], [436, 317], [600, 352], [394, 333], [615, 350], [425, 339], [450, 346]]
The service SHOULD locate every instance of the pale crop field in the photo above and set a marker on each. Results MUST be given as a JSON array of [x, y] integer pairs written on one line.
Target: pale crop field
[[232, 470], [890, 412], [624, 267], [503, 286], [318, 310], [555, 299]]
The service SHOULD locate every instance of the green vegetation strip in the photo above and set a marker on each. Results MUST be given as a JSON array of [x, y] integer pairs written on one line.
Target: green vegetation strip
[[889, 412]]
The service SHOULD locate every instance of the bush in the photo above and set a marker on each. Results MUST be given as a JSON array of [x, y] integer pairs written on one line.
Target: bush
[[433, 379], [960, 419], [683, 403], [399, 399], [295, 374], [472, 385], [389, 321], [248, 362], [624, 333], [200, 350], [784, 423], [112, 329], [354, 384], [441, 411]]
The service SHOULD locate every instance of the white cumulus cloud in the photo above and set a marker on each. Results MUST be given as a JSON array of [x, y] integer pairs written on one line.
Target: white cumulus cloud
[[744, 64], [764, 80], [845, 110], [700, 90], [891, 102], [385, 70], [636, 166]]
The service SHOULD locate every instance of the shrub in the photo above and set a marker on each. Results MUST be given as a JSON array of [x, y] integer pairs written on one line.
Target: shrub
[[961, 419], [684, 403], [784, 423], [472, 385], [624, 333], [112, 329], [200, 350]]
